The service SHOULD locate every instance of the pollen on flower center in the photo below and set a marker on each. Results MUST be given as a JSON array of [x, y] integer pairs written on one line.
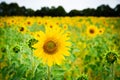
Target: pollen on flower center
[[91, 31], [50, 47]]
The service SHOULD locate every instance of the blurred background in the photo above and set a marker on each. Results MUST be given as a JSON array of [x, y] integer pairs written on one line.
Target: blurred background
[[60, 8]]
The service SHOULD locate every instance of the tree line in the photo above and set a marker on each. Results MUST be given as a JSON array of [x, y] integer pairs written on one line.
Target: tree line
[[13, 9]]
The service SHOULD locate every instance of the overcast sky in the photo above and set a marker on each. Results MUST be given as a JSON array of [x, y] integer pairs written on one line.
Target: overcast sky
[[67, 4]]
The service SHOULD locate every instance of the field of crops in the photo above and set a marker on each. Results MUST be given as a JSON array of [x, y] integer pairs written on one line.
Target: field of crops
[[59, 48]]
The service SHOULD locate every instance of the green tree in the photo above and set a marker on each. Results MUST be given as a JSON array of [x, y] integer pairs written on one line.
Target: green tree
[[104, 10], [117, 10], [74, 13], [60, 11], [3, 9], [88, 12]]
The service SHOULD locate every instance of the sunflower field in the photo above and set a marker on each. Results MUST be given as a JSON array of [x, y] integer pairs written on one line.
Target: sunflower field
[[59, 48]]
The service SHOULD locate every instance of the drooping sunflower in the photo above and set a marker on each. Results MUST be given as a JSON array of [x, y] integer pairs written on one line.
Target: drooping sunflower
[[52, 46], [92, 31]]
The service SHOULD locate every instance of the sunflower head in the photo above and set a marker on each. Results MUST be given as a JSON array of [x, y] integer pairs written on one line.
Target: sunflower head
[[65, 26], [3, 49], [32, 42], [101, 31], [52, 45], [22, 29], [29, 22], [111, 57], [16, 49], [92, 31]]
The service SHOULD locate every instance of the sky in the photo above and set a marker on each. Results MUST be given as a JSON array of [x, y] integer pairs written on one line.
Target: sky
[[68, 5]]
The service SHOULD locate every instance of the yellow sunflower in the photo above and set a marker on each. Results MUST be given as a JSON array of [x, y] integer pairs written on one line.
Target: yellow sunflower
[[22, 29], [29, 22], [52, 46], [92, 31], [65, 26], [101, 31]]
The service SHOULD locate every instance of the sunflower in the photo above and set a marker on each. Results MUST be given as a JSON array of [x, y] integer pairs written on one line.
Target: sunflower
[[22, 29], [52, 45], [92, 31], [65, 26], [101, 31], [29, 22], [112, 55]]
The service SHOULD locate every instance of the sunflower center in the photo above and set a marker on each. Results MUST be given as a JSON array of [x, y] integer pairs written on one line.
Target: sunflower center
[[28, 23], [21, 29], [50, 47], [91, 31], [100, 31]]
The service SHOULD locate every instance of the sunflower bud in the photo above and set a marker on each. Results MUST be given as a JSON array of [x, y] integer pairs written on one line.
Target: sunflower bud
[[111, 57], [3, 49], [32, 42], [16, 49]]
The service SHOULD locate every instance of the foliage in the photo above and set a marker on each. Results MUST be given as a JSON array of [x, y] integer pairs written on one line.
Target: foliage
[[13, 9]]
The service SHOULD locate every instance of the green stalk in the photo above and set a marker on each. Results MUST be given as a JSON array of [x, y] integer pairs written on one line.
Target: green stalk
[[49, 73], [112, 71]]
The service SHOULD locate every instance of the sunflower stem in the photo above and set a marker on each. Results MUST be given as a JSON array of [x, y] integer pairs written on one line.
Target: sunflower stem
[[49, 73], [112, 71]]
